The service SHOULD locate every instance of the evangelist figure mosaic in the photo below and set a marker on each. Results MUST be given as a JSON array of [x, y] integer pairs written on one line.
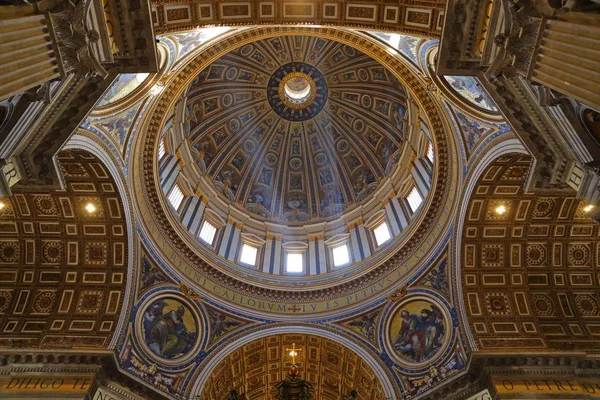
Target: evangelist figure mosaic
[[170, 330], [417, 331]]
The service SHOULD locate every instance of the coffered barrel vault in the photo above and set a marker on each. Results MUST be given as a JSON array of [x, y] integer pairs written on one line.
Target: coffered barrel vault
[[332, 369], [64, 268], [530, 274]]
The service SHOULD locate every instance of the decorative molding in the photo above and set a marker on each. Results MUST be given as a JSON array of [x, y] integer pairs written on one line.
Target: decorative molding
[[419, 19]]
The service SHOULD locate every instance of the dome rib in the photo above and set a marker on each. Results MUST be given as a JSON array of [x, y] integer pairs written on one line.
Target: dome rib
[[302, 164]]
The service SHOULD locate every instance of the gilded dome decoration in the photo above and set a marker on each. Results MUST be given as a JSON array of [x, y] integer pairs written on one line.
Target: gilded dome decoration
[[197, 195], [337, 207], [297, 92], [296, 128]]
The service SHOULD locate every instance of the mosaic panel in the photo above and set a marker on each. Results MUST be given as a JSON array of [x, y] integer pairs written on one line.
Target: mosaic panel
[[170, 328], [418, 330]]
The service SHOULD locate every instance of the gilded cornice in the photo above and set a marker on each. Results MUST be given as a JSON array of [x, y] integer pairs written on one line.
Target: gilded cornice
[[418, 18]]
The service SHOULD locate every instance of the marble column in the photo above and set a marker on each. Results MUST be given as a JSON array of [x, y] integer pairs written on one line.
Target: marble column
[[27, 55], [567, 60]]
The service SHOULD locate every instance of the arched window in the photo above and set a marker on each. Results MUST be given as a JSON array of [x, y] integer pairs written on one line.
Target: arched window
[[414, 199], [207, 233], [430, 152], [175, 196], [382, 233], [161, 149]]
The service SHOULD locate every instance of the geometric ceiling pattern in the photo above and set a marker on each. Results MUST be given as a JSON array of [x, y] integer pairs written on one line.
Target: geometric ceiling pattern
[[423, 18], [329, 144], [63, 270], [530, 276], [332, 369], [233, 131], [312, 164]]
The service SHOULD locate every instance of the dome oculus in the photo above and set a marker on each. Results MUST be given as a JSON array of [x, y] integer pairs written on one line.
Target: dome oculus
[[297, 91]]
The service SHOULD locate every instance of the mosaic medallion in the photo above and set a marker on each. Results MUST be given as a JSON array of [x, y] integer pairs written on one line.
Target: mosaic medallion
[[418, 331], [297, 91], [169, 329]]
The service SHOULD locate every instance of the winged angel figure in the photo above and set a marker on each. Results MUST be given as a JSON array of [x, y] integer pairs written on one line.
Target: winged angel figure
[[219, 323], [366, 324], [74, 40]]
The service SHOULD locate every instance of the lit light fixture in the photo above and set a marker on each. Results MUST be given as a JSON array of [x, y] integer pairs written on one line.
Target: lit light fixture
[[293, 386], [293, 352], [501, 209], [588, 208], [2, 205], [90, 208]]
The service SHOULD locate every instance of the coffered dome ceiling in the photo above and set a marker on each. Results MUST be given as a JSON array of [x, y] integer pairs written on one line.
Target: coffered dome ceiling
[[296, 128], [295, 143]]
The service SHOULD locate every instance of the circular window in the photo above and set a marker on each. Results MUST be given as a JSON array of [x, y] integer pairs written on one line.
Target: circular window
[[297, 89]]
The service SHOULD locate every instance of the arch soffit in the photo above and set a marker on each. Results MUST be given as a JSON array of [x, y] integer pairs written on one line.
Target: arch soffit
[[84, 140], [496, 149], [204, 370]]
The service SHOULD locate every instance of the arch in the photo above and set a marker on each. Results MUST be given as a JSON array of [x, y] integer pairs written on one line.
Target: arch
[[71, 252], [389, 388], [82, 140], [529, 264], [497, 149]]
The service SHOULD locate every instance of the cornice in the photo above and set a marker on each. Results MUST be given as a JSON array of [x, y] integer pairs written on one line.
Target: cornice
[[386, 15]]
